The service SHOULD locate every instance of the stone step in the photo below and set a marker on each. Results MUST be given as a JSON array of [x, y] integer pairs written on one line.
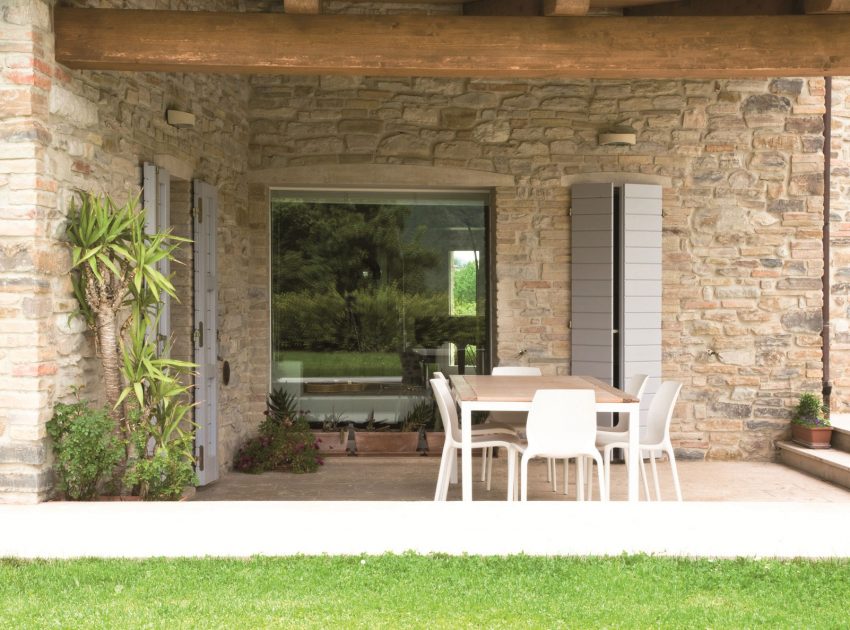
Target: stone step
[[840, 431], [831, 465]]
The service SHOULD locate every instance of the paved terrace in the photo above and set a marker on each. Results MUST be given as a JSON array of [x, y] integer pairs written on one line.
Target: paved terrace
[[414, 479], [732, 509]]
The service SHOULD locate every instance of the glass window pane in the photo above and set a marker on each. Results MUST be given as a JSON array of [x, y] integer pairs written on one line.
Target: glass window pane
[[371, 293]]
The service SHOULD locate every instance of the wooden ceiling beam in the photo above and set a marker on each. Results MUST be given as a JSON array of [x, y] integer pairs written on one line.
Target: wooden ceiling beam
[[504, 7], [827, 6], [302, 7], [454, 46], [566, 7], [717, 7]]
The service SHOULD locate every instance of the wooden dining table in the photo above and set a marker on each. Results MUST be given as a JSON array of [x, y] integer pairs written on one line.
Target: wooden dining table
[[515, 393]]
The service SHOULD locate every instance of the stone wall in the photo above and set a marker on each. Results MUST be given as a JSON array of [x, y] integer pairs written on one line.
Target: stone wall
[[742, 162], [840, 247], [64, 131]]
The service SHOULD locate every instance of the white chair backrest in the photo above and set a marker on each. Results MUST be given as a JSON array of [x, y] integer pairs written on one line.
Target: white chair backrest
[[561, 421], [448, 410], [661, 411], [636, 385], [516, 370]]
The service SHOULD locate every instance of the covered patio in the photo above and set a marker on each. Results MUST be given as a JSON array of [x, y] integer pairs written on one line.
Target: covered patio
[[732, 118]]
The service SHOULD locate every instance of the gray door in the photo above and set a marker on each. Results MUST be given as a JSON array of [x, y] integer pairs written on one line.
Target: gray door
[[206, 331]]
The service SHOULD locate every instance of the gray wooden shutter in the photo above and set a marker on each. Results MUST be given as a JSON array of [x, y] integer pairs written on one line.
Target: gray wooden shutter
[[592, 281], [206, 331], [642, 281], [156, 199]]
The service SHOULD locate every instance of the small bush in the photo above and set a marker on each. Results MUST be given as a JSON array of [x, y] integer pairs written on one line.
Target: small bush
[[811, 412], [86, 450], [165, 472], [285, 441]]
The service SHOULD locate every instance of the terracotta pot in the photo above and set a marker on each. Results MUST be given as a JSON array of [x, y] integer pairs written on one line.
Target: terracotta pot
[[436, 440], [386, 442], [329, 442], [818, 437]]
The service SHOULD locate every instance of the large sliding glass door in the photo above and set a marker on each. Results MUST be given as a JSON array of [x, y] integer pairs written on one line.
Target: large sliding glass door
[[373, 292]]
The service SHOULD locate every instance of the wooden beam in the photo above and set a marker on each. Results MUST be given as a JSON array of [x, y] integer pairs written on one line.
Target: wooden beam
[[302, 7], [827, 6], [717, 7], [503, 7], [565, 7], [454, 46]]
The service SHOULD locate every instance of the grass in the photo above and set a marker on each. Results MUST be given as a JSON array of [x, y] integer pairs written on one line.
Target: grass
[[411, 591], [343, 363]]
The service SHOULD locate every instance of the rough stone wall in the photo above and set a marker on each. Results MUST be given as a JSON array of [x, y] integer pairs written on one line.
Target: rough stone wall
[[840, 247], [743, 209], [64, 131], [29, 267]]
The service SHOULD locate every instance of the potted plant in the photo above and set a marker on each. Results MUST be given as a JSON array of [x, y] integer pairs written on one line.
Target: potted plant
[[810, 426]]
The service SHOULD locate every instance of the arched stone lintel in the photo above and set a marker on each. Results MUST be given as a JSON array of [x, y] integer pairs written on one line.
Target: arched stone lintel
[[616, 178], [380, 176]]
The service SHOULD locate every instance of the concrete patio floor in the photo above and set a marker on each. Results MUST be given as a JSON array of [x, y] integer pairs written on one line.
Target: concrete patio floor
[[414, 478]]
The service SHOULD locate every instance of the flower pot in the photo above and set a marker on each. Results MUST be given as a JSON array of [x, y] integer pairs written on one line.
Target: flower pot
[[811, 437], [436, 440], [331, 442], [386, 442]]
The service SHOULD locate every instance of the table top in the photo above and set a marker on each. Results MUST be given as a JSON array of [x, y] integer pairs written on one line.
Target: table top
[[522, 388]]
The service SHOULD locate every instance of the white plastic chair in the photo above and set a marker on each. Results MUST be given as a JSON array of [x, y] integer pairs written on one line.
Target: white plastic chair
[[487, 428], [448, 411], [608, 435], [515, 420], [657, 437], [554, 434]]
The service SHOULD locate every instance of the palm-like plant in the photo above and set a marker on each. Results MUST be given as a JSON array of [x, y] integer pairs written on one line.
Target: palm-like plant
[[116, 263]]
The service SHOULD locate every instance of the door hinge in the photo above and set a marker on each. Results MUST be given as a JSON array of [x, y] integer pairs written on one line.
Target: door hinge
[[198, 335], [201, 457], [570, 325], [198, 211], [570, 211]]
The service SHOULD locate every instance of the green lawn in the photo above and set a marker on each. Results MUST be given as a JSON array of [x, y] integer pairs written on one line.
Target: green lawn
[[343, 363], [410, 591]]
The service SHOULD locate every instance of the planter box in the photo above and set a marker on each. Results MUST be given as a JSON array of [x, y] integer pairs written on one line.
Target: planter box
[[386, 442], [332, 442], [819, 437]]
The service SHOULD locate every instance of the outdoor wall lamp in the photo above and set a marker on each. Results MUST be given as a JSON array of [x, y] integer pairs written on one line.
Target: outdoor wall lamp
[[618, 137]]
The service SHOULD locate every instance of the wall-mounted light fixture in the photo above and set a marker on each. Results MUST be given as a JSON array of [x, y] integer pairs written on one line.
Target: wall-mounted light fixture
[[620, 136], [181, 120]]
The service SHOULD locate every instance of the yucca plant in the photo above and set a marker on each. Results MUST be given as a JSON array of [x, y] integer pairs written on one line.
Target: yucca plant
[[121, 291], [116, 264]]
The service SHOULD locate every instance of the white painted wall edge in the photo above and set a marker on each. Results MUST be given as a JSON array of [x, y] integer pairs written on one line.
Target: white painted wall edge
[[241, 529]]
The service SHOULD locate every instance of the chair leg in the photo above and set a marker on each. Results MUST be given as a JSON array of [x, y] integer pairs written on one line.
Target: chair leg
[[443, 475], [511, 474], [606, 462], [589, 475], [489, 469], [484, 453], [655, 475], [554, 467], [675, 471], [642, 473], [523, 478], [603, 488], [579, 479], [548, 471]]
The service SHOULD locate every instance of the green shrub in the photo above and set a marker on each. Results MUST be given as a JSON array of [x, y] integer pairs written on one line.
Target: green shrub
[[166, 470], [811, 412], [285, 441], [86, 450]]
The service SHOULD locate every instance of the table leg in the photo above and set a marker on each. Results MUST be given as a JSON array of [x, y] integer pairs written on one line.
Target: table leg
[[466, 451], [634, 450]]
